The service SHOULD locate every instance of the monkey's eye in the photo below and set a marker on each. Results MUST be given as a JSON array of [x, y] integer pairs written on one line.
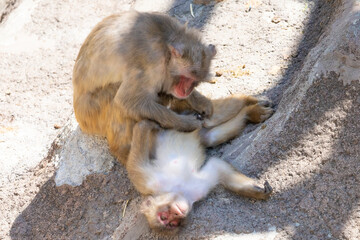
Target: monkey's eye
[[194, 72], [163, 218]]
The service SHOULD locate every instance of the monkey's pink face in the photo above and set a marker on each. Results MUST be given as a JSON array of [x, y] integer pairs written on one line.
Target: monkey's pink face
[[188, 67], [184, 87], [172, 217], [166, 212]]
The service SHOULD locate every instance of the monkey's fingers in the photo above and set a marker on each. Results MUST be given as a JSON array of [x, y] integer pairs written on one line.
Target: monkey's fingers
[[266, 191], [199, 116], [265, 103], [268, 188]]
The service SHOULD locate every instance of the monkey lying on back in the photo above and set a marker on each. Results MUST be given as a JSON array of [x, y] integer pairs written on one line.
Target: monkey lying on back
[[128, 66], [168, 166]]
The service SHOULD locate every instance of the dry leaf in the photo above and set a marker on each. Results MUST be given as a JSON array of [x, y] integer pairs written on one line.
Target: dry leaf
[[218, 73]]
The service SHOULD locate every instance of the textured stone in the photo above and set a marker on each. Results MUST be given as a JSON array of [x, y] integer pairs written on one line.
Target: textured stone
[[82, 155]]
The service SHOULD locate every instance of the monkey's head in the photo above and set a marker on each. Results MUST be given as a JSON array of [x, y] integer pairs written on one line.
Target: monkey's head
[[166, 212], [189, 63]]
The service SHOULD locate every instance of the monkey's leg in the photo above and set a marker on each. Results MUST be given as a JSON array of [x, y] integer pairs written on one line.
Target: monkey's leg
[[230, 129], [119, 134], [227, 108], [234, 180], [224, 132], [144, 138], [87, 112]]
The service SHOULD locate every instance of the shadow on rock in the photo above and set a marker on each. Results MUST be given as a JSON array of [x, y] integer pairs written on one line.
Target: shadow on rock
[[196, 15], [312, 152], [92, 210], [319, 192]]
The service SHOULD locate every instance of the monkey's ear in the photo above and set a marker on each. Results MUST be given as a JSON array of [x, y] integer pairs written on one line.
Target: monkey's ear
[[176, 49], [212, 50]]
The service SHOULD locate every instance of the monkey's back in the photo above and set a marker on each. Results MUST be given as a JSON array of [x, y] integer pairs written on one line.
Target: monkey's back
[[122, 42], [99, 62], [104, 60], [123, 45]]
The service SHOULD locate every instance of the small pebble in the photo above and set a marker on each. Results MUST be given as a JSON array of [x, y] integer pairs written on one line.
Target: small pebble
[[212, 81], [218, 73], [275, 20]]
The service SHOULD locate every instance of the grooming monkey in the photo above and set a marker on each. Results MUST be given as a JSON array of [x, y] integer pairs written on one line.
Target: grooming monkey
[[129, 66], [168, 166]]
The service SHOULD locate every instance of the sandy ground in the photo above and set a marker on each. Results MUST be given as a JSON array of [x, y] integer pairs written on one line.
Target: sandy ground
[[261, 44]]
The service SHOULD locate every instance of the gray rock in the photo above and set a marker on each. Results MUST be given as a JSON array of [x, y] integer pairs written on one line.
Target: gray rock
[[81, 155]]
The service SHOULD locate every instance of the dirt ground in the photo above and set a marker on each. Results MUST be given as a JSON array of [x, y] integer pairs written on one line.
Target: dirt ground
[[261, 45]]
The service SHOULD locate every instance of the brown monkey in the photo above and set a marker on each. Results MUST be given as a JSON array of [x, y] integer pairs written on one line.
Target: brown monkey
[[125, 66], [168, 166]]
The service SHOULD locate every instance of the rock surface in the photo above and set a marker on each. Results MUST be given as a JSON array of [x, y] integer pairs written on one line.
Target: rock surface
[[82, 155], [309, 150]]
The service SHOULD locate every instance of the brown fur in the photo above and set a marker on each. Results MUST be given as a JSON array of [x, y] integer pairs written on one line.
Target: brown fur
[[166, 190], [126, 67]]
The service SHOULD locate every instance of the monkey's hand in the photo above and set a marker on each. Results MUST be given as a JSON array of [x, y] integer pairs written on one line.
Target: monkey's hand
[[189, 123], [202, 105]]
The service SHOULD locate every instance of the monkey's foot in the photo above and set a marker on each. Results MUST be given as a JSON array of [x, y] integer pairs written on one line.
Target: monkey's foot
[[265, 103], [263, 192], [259, 112], [267, 189]]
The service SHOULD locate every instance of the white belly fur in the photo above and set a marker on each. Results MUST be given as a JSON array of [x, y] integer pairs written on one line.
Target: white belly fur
[[178, 158]]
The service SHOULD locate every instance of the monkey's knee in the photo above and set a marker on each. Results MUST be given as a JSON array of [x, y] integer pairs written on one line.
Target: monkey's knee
[[121, 152]]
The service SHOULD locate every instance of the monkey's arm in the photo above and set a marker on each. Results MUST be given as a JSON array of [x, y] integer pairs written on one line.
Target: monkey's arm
[[140, 103], [144, 138], [243, 185], [219, 171]]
